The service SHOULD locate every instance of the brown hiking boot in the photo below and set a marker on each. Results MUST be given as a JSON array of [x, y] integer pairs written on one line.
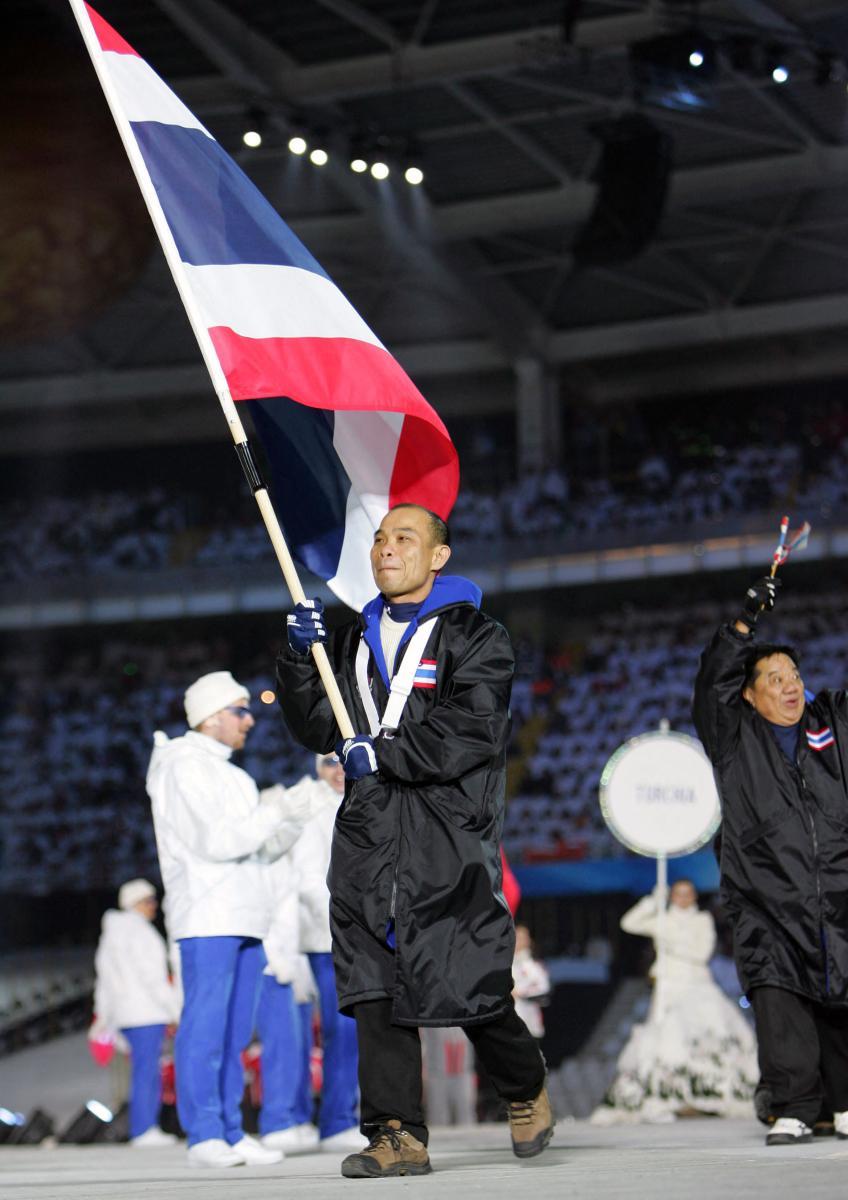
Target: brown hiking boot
[[391, 1151], [531, 1125]]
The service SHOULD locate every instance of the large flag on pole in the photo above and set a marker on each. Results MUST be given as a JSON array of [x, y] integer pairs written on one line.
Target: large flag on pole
[[346, 431]]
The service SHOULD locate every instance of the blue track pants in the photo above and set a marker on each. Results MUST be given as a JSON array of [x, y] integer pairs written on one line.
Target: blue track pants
[[285, 1031], [221, 984], [145, 1043], [338, 1036]]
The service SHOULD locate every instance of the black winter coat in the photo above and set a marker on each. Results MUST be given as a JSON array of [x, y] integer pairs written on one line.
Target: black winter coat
[[420, 840], [784, 837]]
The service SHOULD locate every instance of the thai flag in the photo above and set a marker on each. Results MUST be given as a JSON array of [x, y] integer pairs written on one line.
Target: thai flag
[[819, 739], [346, 431], [425, 674]]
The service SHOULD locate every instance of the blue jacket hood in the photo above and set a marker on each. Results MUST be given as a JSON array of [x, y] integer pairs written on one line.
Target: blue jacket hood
[[447, 591]]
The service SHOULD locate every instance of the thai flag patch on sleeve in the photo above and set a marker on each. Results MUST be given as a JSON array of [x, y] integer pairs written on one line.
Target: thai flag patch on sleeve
[[820, 739], [425, 675]]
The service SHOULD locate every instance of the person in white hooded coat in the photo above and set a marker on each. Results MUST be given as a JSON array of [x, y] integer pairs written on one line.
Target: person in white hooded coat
[[696, 1053], [133, 994], [216, 842]]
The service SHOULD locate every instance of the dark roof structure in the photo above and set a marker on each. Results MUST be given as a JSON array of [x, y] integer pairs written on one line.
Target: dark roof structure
[[595, 199]]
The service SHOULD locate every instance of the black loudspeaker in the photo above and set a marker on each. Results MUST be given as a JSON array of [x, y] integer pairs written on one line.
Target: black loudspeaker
[[118, 1129], [38, 1126], [10, 1124], [633, 182], [89, 1125]]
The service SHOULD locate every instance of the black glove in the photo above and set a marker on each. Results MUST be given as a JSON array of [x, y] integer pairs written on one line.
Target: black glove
[[759, 598]]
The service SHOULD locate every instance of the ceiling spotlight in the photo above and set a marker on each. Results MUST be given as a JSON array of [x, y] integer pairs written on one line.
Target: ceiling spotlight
[[414, 175], [358, 165], [676, 70], [780, 74], [297, 144], [318, 156], [380, 170], [254, 124]]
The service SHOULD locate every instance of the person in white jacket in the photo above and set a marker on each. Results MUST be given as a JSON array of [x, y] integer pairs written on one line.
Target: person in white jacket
[[696, 1053], [216, 842], [133, 994]]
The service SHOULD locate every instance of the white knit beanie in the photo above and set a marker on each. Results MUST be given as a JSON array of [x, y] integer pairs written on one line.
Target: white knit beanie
[[209, 694], [133, 891]]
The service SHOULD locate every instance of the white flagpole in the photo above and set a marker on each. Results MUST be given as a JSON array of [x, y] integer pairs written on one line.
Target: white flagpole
[[210, 358], [662, 917]]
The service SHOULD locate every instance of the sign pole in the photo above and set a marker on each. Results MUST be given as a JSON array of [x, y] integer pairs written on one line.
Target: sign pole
[[662, 909]]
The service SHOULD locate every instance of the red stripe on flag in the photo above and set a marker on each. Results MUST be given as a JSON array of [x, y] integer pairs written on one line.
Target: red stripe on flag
[[344, 373], [332, 373], [426, 469], [108, 38]]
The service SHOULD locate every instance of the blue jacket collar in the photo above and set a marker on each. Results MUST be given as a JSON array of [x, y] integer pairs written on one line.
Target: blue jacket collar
[[447, 591]]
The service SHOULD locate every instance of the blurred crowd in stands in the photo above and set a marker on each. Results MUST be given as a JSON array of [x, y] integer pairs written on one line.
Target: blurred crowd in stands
[[627, 473], [76, 741], [76, 729]]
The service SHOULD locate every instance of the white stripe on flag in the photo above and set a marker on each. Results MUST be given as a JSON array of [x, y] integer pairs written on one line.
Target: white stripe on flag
[[366, 443], [353, 582], [143, 95], [264, 301]]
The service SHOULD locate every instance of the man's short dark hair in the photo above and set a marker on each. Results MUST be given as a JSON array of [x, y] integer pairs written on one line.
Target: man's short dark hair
[[766, 650], [438, 527]]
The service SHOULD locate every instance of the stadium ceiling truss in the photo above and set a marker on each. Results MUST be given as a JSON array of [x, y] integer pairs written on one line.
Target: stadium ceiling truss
[[744, 282]]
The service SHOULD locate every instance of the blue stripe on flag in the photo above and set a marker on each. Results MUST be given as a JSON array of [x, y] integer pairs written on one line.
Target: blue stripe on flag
[[309, 484], [215, 213]]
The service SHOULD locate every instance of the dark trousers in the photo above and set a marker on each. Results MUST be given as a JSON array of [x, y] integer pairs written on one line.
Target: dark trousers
[[390, 1064], [803, 1053]]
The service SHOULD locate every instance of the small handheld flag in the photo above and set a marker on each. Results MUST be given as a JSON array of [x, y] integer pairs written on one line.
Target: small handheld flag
[[786, 544]]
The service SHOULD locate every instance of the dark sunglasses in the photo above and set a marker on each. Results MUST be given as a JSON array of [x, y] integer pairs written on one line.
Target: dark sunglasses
[[239, 710]]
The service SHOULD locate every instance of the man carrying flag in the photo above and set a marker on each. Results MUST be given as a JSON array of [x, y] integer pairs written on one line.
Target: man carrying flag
[[421, 932], [780, 767]]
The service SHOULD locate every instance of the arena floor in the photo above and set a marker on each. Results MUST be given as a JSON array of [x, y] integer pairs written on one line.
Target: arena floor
[[701, 1159]]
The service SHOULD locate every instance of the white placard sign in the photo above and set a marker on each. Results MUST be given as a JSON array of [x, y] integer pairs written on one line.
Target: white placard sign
[[658, 795]]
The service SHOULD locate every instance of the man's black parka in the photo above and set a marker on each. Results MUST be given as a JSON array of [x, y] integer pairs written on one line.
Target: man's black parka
[[784, 834], [419, 842]]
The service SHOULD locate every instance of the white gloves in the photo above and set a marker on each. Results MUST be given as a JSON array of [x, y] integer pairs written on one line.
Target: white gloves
[[295, 806], [298, 804]]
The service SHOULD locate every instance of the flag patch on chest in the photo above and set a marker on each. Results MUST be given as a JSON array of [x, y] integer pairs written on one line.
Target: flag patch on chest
[[819, 739], [425, 674]]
